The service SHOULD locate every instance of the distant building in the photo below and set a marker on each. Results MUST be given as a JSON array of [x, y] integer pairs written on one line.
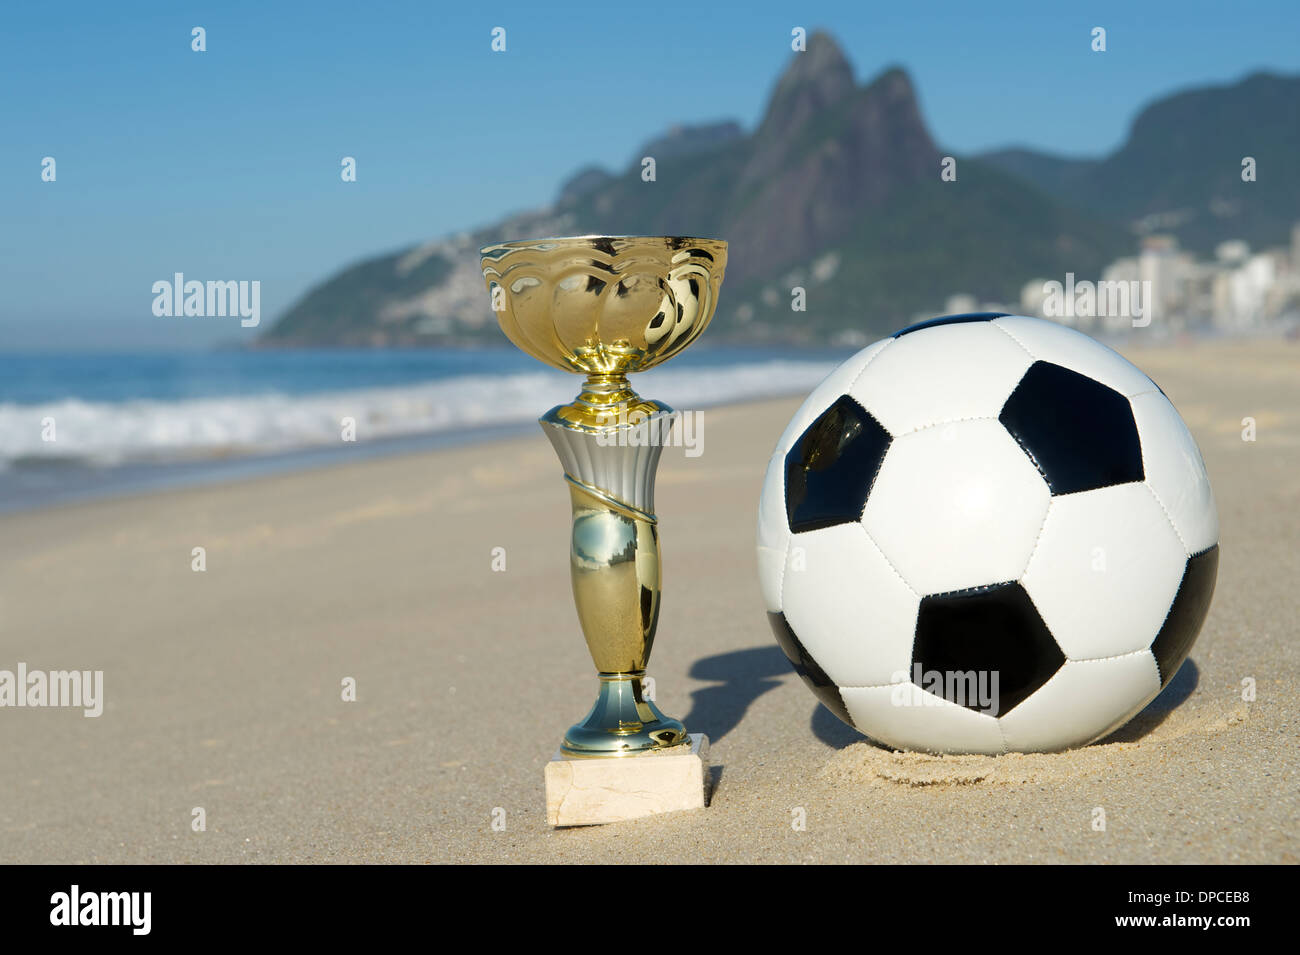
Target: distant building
[[1232, 253], [1032, 296], [1239, 294], [1128, 271], [960, 303], [1158, 264], [1239, 291]]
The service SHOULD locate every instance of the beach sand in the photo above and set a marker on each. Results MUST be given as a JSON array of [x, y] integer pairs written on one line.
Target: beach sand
[[223, 688]]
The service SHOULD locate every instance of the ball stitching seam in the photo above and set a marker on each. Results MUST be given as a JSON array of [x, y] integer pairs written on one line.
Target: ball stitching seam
[[1004, 331], [1169, 517]]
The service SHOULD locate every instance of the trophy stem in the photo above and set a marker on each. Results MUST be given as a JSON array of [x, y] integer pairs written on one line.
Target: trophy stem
[[615, 570], [606, 402]]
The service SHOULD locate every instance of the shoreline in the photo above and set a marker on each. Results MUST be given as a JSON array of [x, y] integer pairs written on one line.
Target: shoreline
[[84, 483], [91, 484], [35, 484]]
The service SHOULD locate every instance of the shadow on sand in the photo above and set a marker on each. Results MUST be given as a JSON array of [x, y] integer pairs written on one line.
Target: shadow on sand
[[1157, 711], [742, 676]]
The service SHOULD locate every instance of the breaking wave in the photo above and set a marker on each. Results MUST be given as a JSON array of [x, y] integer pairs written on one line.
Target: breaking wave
[[108, 433]]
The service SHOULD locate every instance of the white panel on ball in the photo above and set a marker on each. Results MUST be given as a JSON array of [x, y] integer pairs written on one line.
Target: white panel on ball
[[1105, 571], [941, 374], [956, 506], [1176, 472], [853, 614], [773, 533], [1082, 702], [1048, 341], [771, 574], [906, 717], [824, 395]]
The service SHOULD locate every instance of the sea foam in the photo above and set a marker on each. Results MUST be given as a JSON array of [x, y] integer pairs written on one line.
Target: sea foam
[[107, 433]]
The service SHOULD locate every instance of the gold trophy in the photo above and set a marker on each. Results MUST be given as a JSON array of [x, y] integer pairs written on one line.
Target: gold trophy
[[604, 307]]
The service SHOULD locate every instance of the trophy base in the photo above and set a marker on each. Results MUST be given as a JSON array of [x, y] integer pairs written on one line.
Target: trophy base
[[622, 722], [593, 792]]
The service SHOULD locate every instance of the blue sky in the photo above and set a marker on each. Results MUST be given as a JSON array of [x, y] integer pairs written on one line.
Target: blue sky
[[225, 164]]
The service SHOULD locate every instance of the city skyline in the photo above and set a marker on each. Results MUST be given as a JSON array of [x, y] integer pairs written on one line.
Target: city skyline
[[1239, 291]]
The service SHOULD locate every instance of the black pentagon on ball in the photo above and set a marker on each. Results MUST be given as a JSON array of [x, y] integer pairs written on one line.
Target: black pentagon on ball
[[809, 670], [1186, 613], [1079, 433], [970, 638], [951, 320], [830, 469]]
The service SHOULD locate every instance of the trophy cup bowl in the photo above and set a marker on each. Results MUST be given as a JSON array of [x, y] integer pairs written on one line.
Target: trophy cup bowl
[[605, 307]]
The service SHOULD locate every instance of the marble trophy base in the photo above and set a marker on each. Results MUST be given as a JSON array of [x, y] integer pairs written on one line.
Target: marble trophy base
[[594, 791]]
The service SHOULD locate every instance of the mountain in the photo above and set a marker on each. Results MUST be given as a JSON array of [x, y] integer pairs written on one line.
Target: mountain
[[1055, 175], [690, 140], [838, 191], [1179, 170]]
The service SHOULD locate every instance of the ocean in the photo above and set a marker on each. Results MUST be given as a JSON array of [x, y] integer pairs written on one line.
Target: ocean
[[79, 425]]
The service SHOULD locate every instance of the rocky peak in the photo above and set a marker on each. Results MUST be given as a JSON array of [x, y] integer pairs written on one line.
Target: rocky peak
[[816, 79]]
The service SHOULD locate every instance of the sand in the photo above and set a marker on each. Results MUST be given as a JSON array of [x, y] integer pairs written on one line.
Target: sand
[[224, 688]]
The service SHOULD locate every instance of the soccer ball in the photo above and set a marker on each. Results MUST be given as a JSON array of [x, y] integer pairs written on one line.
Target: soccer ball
[[988, 533]]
